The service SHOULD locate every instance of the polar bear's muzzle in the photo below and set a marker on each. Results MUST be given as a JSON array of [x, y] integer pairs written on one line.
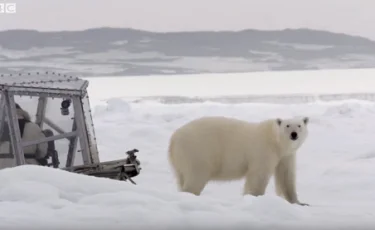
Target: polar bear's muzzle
[[293, 136]]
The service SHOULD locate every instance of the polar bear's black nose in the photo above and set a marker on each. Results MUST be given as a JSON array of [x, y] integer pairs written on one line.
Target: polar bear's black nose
[[293, 136]]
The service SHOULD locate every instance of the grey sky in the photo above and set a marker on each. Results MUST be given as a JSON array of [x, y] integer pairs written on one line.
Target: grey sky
[[348, 16]]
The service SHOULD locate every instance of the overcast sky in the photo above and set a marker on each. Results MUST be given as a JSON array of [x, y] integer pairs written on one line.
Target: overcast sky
[[355, 17]]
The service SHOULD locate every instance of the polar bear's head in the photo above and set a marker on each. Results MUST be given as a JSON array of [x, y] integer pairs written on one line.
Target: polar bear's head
[[293, 131]]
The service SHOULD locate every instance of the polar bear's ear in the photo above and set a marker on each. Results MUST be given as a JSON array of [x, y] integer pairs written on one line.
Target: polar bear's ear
[[278, 121], [305, 120]]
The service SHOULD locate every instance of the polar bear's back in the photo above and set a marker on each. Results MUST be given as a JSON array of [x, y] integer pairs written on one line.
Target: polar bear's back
[[219, 145]]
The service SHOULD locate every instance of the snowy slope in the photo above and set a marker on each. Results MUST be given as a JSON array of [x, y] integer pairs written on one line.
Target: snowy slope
[[335, 172]]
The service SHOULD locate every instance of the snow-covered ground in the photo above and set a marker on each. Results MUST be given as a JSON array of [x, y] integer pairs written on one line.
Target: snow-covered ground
[[335, 166], [317, 82]]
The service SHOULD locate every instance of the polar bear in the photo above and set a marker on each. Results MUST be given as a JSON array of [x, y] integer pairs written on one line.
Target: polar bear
[[222, 149]]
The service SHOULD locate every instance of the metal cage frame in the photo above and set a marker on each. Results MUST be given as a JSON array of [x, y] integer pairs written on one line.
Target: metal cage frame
[[46, 85], [10, 87]]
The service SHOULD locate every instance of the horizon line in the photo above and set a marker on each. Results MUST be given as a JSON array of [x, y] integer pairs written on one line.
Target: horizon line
[[174, 31], [189, 31]]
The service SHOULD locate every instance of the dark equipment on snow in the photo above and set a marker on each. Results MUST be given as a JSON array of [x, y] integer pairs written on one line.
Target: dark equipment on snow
[[119, 170]]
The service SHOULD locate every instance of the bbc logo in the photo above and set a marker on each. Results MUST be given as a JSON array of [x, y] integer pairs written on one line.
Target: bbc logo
[[7, 8]]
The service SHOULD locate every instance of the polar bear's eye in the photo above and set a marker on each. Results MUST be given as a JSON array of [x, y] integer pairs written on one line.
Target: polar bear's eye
[[287, 126], [299, 126]]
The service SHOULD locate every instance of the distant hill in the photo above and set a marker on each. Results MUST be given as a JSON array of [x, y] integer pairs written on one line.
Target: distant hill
[[115, 51]]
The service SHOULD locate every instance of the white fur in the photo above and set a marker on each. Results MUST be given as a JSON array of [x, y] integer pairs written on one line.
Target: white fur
[[222, 149], [31, 132]]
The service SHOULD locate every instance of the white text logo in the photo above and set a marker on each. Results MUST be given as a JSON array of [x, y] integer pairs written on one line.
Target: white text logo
[[7, 8]]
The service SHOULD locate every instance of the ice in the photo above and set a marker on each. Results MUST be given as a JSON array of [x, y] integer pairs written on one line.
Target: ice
[[275, 83], [335, 170]]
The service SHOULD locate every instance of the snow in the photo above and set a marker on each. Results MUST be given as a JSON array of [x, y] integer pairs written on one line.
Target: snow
[[335, 166], [317, 82], [314, 47]]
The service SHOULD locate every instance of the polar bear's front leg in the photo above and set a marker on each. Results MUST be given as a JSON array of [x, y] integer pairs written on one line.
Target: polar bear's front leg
[[256, 180], [285, 179]]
